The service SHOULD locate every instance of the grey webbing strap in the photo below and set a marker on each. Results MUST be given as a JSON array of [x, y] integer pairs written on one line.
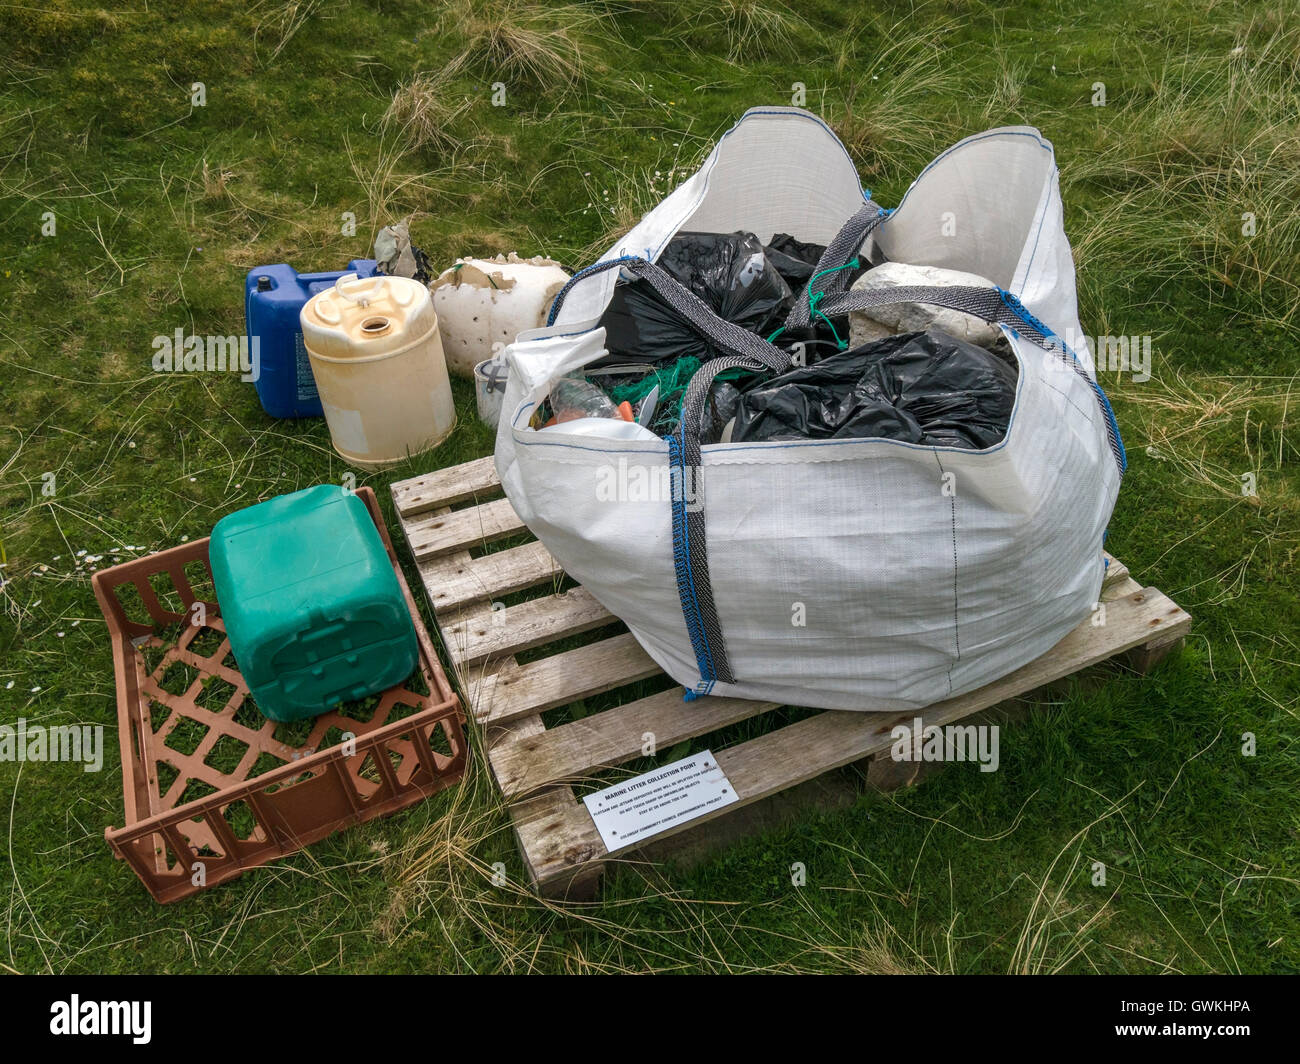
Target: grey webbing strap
[[838, 253], [725, 335], [743, 349], [988, 304]]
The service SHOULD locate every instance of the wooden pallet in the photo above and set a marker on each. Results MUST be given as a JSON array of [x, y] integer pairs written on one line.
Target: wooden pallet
[[535, 766]]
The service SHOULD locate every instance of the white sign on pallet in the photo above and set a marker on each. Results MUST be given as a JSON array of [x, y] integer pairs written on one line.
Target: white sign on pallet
[[662, 799]]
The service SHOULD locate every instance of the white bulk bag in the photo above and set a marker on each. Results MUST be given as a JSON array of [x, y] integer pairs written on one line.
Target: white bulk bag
[[863, 574]]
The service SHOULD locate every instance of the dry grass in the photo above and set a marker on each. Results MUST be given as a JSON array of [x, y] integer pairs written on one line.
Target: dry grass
[[280, 24], [392, 190], [621, 200], [424, 112], [1210, 432], [1056, 933], [440, 875], [1183, 413], [542, 46], [881, 114], [216, 183], [758, 29], [1006, 93], [1209, 140]]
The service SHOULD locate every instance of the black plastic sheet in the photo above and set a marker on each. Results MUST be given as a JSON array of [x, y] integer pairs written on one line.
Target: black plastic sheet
[[794, 260], [923, 387], [731, 272]]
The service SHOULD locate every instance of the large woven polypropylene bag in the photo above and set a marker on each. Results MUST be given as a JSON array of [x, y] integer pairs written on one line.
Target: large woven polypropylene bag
[[865, 574]]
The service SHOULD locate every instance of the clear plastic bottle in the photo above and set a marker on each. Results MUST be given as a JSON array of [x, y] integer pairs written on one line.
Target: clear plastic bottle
[[575, 397]]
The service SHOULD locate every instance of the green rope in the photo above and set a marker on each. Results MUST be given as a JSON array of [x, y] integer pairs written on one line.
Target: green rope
[[813, 302], [815, 298], [852, 264]]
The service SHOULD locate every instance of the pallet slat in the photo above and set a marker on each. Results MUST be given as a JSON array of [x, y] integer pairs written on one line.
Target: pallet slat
[[1116, 572], [832, 739], [521, 690], [446, 487], [575, 750], [442, 533], [454, 581], [480, 633]]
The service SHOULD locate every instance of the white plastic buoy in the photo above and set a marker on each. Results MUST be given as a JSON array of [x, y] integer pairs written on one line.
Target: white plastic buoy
[[892, 318], [483, 303], [377, 358]]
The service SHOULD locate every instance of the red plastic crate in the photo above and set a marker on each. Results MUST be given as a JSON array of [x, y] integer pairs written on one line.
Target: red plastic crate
[[191, 824]]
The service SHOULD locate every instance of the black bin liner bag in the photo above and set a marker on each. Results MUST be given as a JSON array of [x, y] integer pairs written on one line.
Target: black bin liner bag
[[729, 271], [921, 387]]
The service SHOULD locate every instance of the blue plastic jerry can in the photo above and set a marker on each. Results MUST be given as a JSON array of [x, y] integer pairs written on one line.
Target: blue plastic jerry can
[[273, 299]]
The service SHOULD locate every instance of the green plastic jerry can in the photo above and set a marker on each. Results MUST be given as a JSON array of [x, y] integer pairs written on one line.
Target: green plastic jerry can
[[310, 602]]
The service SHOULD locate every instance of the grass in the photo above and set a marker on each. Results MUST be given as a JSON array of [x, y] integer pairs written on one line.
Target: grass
[[423, 113], [384, 109]]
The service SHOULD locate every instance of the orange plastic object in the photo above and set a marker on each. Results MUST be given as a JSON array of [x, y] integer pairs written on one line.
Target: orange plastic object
[[624, 411], [190, 823]]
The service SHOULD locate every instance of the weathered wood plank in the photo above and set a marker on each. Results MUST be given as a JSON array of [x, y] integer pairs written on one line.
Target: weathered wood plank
[[573, 751], [827, 793], [570, 873], [1146, 657], [480, 633], [1119, 589], [520, 690], [446, 487], [1116, 573], [832, 739], [453, 581], [441, 533]]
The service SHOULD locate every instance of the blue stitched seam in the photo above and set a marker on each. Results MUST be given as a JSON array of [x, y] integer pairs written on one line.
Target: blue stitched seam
[[586, 271], [1112, 426]]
